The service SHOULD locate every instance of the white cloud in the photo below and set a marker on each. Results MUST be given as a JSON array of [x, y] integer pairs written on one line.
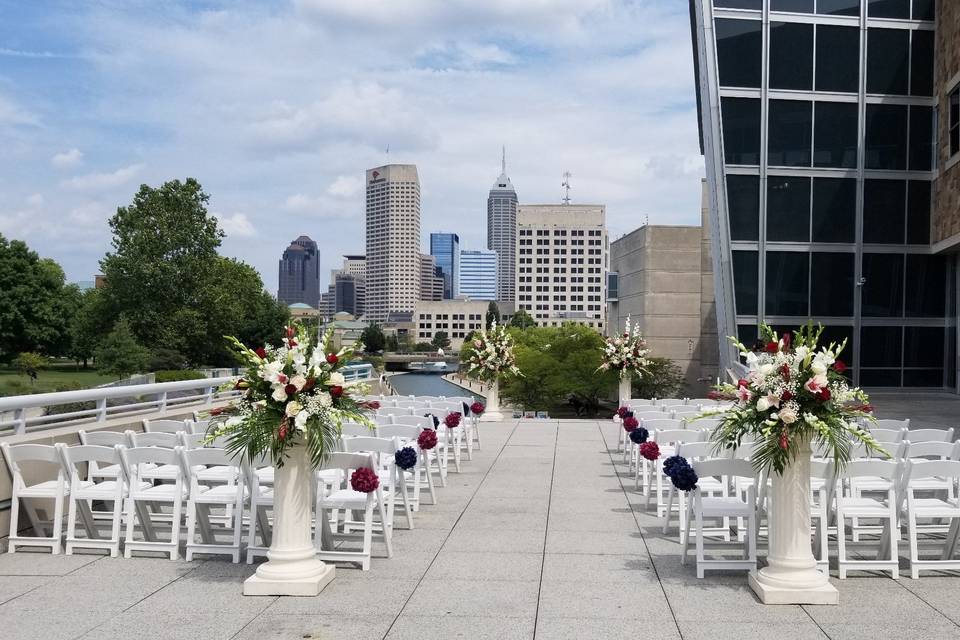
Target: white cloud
[[319, 207], [35, 201], [67, 159], [345, 187], [237, 224], [103, 181]]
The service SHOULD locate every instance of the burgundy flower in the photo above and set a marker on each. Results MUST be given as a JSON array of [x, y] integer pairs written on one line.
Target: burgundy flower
[[332, 358], [787, 339], [785, 372], [364, 480], [290, 389], [261, 353], [784, 441], [291, 332], [786, 397], [772, 347], [623, 411], [282, 433], [477, 408], [336, 391], [371, 404], [309, 384], [650, 450], [452, 420], [291, 342], [823, 395], [630, 423], [743, 383], [427, 439], [839, 366]]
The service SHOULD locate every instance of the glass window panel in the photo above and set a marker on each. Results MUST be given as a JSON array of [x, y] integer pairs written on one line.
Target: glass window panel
[[918, 212], [788, 209], [880, 377], [923, 378], [886, 140], [745, 274], [951, 358], [790, 133], [838, 58], [838, 334], [888, 9], [797, 6], [741, 130], [747, 334], [791, 55], [738, 4], [923, 347], [839, 7], [834, 209], [831, 284], [884, 203], [888, 57], [787, 283], [738, 52], [921, 63], [926, 295], [881, 346], [921, 138], [835, 136], [882, 291], [924, 9], [743, 205]]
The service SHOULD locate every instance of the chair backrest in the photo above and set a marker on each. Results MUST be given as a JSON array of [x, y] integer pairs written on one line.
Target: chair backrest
[[887, 423], [703, 424], [719, 467], [933, 450], [888, 435], [661, 424], [897, 450], [394, 411], [353, 429], [442, 408], [150, 455], [164, 440], [197, 426], [165, 426], [698, 450], [930, 435], [43, 453], [886, 469], [660, 402], [404, 403], [199, 441], [104, 438], [423, 422], [381, 448], [917, 469], [650, 415], [87, 454], [664, 436], [685, 410], [402, 431], [206, 457], [635, 403], [345, 461]]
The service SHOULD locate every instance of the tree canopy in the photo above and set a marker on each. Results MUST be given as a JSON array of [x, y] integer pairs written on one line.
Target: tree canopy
[[493, 314], [522, 320], [373, 338], [119, 353]]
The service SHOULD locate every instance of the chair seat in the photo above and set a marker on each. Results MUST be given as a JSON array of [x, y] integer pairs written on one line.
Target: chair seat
[[710, 485], [931, 484], [265, 475], [166, 492], [48, 489], [162, 472], [730, 506], [219, 473], [101, 490], [221, 493], [867, 483], [345, 499], [864, 507], [109, 471], [935, 508]]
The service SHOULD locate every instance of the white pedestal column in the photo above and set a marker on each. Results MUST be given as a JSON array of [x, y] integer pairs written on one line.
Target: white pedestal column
[[492, 411], [293, 568], [626, 389], [791, 575]]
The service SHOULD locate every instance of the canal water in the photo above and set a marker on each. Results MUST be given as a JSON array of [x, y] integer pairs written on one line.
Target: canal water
[[425, 384]]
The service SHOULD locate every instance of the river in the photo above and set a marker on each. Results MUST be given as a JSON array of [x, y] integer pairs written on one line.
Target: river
[[425, 384]]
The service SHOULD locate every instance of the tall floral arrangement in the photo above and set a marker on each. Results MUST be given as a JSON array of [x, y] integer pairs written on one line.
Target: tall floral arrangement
[[491, 354], [294, 394], [795, 391], [625, 353]]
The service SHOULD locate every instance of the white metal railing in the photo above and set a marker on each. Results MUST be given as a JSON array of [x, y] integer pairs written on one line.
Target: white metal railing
[[16, 418]]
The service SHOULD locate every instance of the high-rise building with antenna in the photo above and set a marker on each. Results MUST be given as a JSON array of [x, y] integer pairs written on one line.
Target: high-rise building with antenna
[[502, 231]]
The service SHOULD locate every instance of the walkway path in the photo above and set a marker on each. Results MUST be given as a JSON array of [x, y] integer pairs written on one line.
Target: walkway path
[[536, 538]]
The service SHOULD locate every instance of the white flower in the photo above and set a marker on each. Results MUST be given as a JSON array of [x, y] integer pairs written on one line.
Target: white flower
[[324, 399], [279, 394], [818, 367], [788, 415], [801, 352], [763, 404], [766, 369], [234, 421], [301, 419], [337, 379], [271, 371], [298, 382], [293, 408]]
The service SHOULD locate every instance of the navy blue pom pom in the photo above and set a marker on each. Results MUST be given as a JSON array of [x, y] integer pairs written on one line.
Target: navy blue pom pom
[[685, 478], [405, 458], [672, 464], [639, 435], [436, 420]]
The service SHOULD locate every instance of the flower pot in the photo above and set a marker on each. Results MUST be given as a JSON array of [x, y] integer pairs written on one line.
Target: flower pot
[[292, 568], [626, 388], [492, 411]]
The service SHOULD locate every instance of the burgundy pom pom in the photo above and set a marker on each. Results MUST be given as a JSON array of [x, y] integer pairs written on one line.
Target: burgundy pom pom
[[452, 420], [427, 439], [630, 423], [364, 480], [623, 411], [477, 408], [650, 450]]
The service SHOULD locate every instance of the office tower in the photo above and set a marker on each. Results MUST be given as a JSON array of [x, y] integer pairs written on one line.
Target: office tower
[[431, 279], [350, 285], [393, 240], [457, 318], [445, 247], [817, 127], [478, 274], [562, 254], [300, 273], [502, 231]]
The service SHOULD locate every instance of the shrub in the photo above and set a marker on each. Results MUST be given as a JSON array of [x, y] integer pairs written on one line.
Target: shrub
[[176, 375], [29, 363], [664, 380], [167, 359]]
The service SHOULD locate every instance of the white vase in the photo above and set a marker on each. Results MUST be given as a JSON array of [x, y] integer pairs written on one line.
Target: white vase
[[292, 568], [791, 575], [491, 412], [626, 389]]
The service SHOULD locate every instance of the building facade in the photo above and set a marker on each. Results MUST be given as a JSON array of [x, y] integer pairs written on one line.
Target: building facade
[[457, 318], [665, 284], [817, 127], [393, 240], [502, 232], [299, 273], [445, 248], [478, 274], [431, 279], [562, 260], [350, 285]]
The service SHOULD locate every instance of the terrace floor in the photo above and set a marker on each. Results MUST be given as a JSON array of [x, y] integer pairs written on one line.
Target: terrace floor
[[540, 536]]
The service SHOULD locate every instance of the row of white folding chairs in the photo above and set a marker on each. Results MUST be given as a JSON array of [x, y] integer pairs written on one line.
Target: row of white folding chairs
[[176, 426], [463, 437]]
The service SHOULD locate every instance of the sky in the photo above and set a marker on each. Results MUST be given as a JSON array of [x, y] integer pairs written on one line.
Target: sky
[[278, 108]]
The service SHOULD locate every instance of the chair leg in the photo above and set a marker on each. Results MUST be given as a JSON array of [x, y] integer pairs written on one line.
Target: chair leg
[[841, 546], [476, 432], [115, 525], [175, 530], [404, 497], [914, 546], [894, 554], [666, 518], [191, 528], [387, 535], [685, 533], [368, 533], [71, 524], [57, 532], [14, 520], [131, 516], [700, 553]]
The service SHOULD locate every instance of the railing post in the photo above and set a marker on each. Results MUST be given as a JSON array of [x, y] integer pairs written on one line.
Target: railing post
[[20, 421], [102, 410], [162, 402], [209, 399]]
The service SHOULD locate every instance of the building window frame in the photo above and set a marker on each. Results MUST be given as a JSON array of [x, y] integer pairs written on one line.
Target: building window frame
[[953, 126]]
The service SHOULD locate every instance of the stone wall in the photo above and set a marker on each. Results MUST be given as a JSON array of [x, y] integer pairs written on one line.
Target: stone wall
[[946, 217]]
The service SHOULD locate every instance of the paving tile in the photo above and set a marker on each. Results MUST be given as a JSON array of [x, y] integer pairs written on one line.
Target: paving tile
[[484, 521], [709, 629], [190, 624], [497, 598], [21, 624], [883, 601], [349, 597], [598, 569], [864, 629], [318, 626], [25, 563], [595, 542], [586, 599], [15, 586], [502, 540], [70, 594], [627, 628], [481, 566], [417, 627]]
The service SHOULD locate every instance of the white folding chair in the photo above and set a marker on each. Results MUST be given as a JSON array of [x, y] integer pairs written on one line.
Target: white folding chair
[[352, 429], [420, 476], [667, 434], [701, 507], [142, 490], [666, 402], [879, 507], [392, 481], [111, 489], [711, 486], [161, 440], [890, 424], [165, 426], [930, 435], [201, 499], [197, 426], [394, 411], [259, 475], [917, 474], [26, 495], [455, 437], [471, 425], [631, 449], [823, 485], [103, 439], [347, 499]]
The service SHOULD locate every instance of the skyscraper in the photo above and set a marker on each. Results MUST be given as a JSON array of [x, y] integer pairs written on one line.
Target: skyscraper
[[350, 285], [431, 279], [393, 240], [445, 247], [502, 231], [299, 273], [478, 274]]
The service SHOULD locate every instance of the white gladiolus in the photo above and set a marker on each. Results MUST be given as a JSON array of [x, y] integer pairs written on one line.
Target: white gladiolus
[[766, 369], [271, 371]]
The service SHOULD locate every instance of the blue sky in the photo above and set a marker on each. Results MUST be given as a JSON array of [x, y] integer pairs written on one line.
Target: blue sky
[[278, 108]]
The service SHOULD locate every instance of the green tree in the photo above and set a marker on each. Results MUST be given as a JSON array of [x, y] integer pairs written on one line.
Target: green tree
[[664, 379], [34, 306], [493, 314], [522, 320], [29, 364], [391, 343], [423, 347], [85, 326], [119, 352], [372, 338], [440, 340]]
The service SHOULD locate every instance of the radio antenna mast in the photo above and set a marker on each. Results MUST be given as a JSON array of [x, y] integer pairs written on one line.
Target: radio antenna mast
[[566, 187]]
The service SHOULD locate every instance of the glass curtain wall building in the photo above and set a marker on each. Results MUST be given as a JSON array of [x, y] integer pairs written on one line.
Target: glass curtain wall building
[[445, 247], [817, 122], [478, 274]]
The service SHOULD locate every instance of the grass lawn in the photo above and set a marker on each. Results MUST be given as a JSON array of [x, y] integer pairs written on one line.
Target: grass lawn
[[55, 378]]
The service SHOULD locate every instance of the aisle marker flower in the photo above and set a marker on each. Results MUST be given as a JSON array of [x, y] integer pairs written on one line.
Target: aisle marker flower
[[626, 353]]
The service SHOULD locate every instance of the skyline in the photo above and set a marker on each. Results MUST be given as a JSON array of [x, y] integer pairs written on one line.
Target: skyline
[[95, 100]]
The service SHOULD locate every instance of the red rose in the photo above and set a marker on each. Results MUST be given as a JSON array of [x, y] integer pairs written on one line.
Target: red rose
[[823, 395], [332, 358], [839, 366], [785, 372], [292, 342], [336, 391], [786, 397], [282, 434], [261, 353], [773, 347], [743, 383], [373, 404], [290, 389], [310, 383]]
